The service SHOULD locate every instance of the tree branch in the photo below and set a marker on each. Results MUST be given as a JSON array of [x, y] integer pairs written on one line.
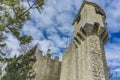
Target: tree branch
[[27, 10]]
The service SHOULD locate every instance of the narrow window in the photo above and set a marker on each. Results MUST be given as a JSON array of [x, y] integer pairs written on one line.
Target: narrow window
[[98, 11], [96, 27], [78, 19]]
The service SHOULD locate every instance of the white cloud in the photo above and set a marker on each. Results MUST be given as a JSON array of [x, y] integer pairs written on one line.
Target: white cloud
[[112, 10], [113, 54], [113, 50], [55, 21], [51, 26], [13, 44]]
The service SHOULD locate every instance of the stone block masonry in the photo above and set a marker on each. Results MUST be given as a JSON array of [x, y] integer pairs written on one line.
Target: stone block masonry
[[84, 59], [47, 68]]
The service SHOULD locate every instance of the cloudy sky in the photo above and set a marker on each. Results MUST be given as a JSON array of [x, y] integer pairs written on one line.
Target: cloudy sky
[[53, 27]]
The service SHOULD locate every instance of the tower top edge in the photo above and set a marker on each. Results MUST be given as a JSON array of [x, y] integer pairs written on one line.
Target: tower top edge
[[88, 3]]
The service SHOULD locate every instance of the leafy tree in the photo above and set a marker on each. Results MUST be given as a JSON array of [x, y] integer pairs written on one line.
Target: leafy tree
[[25, 48], [20, 68], [13, 15]]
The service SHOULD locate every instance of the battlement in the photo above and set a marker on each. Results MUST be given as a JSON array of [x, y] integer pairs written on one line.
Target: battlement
[[45, 67], [47, 56], [84, 59]]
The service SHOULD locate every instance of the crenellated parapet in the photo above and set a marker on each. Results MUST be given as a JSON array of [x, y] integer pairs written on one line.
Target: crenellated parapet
[[47, 56], [45, 67]]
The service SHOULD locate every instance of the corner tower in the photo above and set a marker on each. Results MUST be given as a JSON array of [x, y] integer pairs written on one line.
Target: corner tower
[[85, 57]]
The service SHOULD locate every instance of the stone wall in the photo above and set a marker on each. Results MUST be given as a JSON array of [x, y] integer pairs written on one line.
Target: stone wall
[[46, 68], [85, 58], [85, 61], [69, 64]]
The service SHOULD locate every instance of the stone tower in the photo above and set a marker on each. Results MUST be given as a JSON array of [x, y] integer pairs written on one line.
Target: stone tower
[[85, 58]]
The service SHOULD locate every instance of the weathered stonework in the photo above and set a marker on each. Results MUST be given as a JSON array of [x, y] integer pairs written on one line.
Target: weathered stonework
[[85, 58], [46, 68]]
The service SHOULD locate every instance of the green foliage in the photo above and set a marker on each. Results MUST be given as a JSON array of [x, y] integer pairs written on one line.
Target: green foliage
[[20, 68], [14, 22], [13, 15], [10, 2]]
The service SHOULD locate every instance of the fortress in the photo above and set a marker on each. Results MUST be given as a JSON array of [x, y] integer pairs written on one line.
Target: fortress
[[84, 59]]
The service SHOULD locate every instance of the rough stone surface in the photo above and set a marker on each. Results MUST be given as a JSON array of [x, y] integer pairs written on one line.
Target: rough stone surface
[[46, 68], [85, 58]]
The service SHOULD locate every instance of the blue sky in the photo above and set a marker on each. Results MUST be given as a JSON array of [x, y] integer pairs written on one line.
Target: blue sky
[[53, 27]]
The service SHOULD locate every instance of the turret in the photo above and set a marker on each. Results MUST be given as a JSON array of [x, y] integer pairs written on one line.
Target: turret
[[85, 59], [89, 21]]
